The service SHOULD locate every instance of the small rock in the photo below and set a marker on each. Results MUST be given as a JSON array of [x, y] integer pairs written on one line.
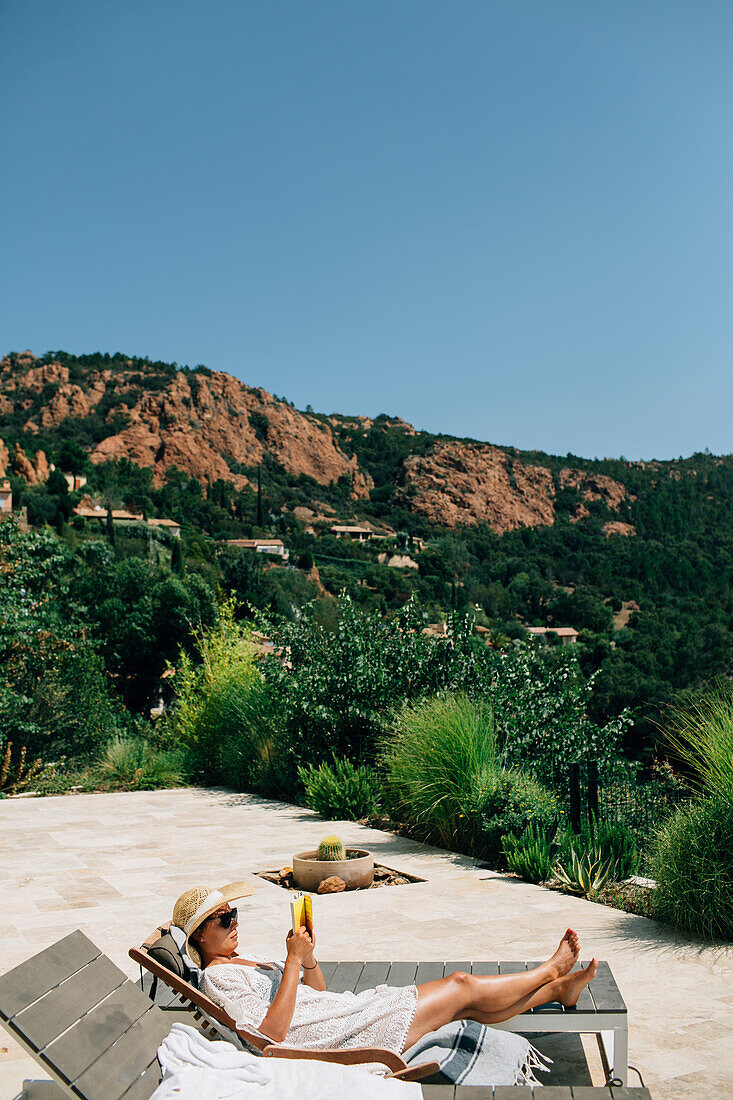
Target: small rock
[[285, 871], [271, 876], [332, 885]]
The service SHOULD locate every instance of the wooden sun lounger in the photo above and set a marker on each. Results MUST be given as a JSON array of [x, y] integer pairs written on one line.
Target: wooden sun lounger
[[95, 1033], [600, 1011]]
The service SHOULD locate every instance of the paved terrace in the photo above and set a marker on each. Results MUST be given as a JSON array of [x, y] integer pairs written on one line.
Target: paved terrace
[[113, 864]]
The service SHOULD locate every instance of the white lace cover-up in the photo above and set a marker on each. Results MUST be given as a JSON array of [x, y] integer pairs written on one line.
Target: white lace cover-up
[[322, 1020]]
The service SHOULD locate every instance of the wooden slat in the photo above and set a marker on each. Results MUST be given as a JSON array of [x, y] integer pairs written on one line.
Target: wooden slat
[[373, 974], [77, 1048], [587, 1092], [606, 993], [555, 1092], [623, 1093], [165, 996], [146, 1084], [328, 969], [119, 1067], [43, 1090], [47, 1017], [512, 967], [585, 1000], [453, 968], [485, 969], [24, 984], [552, 1006], [402, 973], [346, 976], [468, 1092], [439, 1092], [428, 972], [512, 1092]]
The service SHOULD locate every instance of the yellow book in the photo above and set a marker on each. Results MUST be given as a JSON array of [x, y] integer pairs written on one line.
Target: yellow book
[[301, 909]]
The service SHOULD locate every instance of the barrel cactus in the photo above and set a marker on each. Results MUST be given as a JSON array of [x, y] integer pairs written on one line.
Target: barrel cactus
[[331, 848]]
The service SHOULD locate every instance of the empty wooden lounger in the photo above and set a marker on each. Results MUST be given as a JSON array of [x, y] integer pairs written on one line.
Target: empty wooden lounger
[[600, 1010]]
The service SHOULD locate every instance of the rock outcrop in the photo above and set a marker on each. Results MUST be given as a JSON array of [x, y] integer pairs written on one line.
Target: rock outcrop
[[205, 424], [616, 527], [212, 426], [471, 483]]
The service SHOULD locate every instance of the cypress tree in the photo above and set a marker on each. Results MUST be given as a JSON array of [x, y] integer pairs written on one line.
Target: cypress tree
[[259, 496], [111, 536], [177, 565]]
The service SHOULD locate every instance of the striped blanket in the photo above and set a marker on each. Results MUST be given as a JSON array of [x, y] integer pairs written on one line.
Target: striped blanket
[[472, 1054]]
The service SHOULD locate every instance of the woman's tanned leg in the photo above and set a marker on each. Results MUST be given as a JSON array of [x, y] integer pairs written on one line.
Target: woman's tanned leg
[[501, 991], [462, 996]]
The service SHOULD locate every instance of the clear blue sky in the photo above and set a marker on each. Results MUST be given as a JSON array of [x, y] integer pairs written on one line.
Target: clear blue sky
[[506, 220]]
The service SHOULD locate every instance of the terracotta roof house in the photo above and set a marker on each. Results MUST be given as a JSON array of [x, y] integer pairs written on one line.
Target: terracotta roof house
[[568, 635], [262, 546], [348, 531], [171, 525]]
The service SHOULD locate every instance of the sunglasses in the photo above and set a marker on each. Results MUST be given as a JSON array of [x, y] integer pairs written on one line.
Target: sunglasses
[[225, 919]]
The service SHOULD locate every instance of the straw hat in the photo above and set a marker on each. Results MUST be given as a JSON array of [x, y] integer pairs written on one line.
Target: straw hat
[[194, 906]]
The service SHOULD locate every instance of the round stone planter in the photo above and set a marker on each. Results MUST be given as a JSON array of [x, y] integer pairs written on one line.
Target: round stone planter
[[357, 872]]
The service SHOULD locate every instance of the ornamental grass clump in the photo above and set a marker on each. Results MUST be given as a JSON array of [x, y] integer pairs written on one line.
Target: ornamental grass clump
[[699, 727], [132, 764], [692, 865], [340, 790], [437, 755], [445, 781]]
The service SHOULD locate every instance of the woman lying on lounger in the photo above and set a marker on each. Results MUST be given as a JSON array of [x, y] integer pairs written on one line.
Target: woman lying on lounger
[[271, 999]]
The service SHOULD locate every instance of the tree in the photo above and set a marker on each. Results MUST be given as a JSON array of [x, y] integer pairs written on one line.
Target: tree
[[177, 563], [110, 523], [259, 497]]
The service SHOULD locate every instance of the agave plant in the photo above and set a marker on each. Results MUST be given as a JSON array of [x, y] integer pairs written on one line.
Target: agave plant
[[586, 872]]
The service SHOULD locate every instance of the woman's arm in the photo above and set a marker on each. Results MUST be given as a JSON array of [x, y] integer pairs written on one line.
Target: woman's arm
[[279, 1016], [312, 975]]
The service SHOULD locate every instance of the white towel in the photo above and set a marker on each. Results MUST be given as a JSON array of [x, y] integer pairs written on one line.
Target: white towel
[[195, 1068]]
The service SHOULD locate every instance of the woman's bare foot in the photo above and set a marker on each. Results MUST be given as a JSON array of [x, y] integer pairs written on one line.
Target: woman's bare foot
[[566, 956], [566, 990]]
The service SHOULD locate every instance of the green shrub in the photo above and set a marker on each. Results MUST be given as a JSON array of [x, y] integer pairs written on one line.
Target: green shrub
[[250, 755], [438, 756], [507, 803], [692, 864], [340, 790], [343, 676], [218, 705], [132, 764], [541, 701], [700, 729], [614, 842], [529, 855]]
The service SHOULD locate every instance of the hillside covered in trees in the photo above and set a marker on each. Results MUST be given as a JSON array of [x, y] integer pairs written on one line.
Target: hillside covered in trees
[[638, 557]]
